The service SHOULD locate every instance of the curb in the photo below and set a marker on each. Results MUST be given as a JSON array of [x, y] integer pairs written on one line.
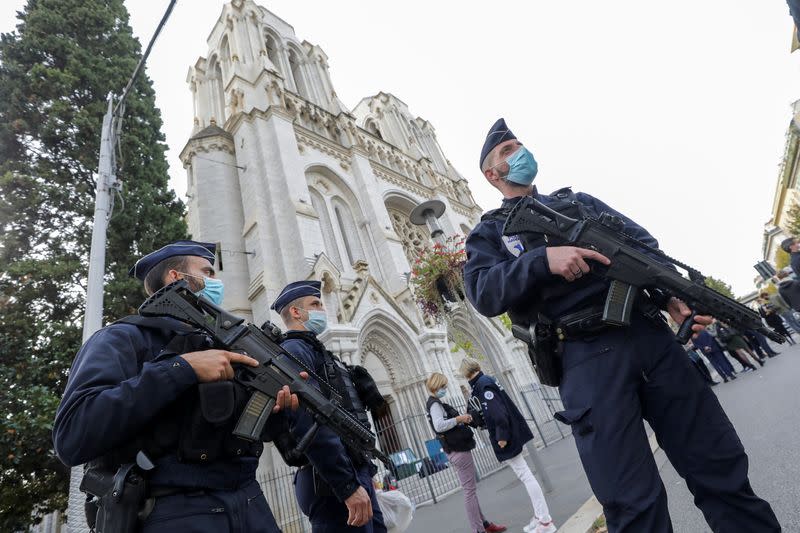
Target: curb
[[591, 510], [582, 520]]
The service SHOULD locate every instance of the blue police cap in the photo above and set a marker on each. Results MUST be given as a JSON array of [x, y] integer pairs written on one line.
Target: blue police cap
[[497, 134], [296, 290], [206, 250]]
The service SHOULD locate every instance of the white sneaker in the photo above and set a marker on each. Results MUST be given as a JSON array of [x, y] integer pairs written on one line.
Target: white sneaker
[[537, 527]]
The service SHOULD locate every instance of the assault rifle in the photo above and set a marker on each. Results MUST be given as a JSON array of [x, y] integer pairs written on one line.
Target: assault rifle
[[276, 368], [634, 266]]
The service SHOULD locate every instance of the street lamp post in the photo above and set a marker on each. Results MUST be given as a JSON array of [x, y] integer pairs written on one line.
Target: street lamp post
[[428, 214]]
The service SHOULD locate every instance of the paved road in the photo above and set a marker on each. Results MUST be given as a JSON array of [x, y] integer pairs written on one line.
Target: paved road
[[764, 406]]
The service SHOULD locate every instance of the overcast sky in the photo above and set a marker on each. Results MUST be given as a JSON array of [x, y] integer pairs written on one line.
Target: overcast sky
[[674, 113]]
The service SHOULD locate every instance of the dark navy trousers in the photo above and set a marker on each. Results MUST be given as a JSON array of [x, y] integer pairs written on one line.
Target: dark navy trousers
[[614, 380], [721, 364], [213, 511], [324, 510]]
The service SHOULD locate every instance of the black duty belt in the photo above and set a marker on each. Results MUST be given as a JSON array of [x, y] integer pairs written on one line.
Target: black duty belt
[[161, 491], [581, 323]]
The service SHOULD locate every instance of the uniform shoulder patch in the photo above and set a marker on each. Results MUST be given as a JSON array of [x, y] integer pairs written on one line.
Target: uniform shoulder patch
[[489, 395], [513, 244]]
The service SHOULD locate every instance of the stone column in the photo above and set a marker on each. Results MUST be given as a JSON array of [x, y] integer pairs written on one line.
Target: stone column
[[216, 213], [389, 251]]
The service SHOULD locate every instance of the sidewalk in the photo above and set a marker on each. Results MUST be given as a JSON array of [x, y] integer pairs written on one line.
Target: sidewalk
[[504, 500]]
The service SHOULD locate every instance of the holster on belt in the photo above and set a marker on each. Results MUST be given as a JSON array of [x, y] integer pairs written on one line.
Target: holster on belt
[[543, 348], [116, 498]]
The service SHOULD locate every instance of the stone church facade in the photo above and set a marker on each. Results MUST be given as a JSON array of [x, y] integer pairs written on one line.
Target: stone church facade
[[294, 185]]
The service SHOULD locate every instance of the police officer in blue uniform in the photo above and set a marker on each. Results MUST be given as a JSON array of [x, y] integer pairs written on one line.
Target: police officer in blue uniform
[[334, 485], [611, 377], [791, 246], [151, 385]]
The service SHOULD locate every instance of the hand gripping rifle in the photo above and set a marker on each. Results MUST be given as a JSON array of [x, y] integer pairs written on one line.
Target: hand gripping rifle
[[276, 368], [634, 265]]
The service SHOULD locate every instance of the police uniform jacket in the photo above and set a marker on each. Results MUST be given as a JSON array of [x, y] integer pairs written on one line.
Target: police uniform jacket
[[326, 453], [500, 274], [705, 340], [119, 385], [503, 419], [794, 261]]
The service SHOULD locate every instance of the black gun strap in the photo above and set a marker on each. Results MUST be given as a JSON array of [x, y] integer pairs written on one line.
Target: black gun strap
[[326, 381], [167, 327]]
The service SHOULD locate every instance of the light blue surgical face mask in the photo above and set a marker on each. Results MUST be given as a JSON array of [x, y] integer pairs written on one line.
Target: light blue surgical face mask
[[317, 321], [441, 393], [522, 167], [213, 289]]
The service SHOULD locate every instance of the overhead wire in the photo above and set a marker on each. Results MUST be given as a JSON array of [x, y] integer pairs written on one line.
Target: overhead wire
[[119, 111]]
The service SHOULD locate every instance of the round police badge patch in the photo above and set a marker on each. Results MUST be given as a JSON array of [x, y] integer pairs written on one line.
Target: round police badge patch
[[488, 395], [513, 244]]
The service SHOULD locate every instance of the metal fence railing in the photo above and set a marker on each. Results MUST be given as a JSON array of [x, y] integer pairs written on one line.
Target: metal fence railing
[[420, 468], [541, 402]]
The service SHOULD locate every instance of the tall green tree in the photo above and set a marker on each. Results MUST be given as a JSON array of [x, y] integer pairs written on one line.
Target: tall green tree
[[793, 217], [782, 259], [55, 72], [720, 286]]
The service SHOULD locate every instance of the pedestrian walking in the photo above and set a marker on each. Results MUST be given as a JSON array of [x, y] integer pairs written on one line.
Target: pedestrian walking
[[788, 289], [699, 364], [772, 317], [760, 341], [457, 440], [508, 432], [709, 346], [751, 337], [736, 346]]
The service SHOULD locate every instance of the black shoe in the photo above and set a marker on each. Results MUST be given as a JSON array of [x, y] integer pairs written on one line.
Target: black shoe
[[726, 379], [714, 383], [733, 377]]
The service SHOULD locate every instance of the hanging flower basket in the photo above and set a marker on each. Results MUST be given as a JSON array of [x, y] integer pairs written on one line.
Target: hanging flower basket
[[437, 277]]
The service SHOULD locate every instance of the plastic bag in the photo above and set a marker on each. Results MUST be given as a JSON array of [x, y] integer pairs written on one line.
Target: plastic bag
[[397, 510]]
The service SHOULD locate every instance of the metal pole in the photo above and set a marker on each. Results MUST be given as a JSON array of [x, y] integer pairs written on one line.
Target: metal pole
[[106, 179]]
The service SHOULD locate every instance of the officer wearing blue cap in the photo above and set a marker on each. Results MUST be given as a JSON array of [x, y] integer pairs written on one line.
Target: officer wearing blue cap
[[152, 385], [791, 246], [334, 485], [610, 377]]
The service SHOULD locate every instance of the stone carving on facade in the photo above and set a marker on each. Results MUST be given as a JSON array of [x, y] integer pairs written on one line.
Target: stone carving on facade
[[412, 237], [381, 349], [236, 103]]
